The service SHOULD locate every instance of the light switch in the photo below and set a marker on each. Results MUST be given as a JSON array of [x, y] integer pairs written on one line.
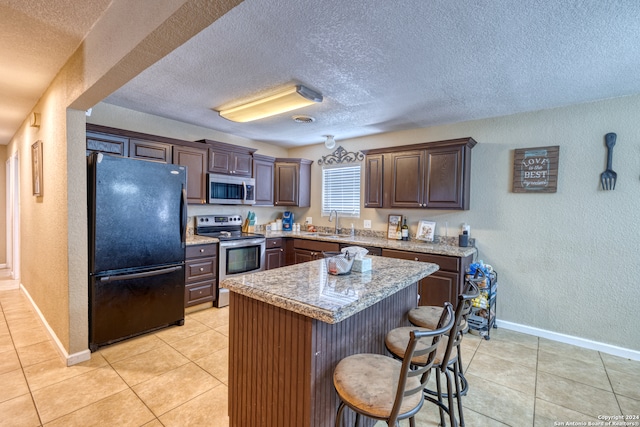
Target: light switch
[[367, 223], [309, 220]]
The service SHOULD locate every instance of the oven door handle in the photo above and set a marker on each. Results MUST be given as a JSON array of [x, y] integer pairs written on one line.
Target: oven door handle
[[242, 242]]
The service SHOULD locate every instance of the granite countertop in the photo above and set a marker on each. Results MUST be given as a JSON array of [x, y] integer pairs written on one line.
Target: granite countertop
[[358, 240], [309, 290], [194, 239]]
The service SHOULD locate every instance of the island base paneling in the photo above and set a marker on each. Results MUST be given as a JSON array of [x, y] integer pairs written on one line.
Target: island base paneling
[[281, 363]]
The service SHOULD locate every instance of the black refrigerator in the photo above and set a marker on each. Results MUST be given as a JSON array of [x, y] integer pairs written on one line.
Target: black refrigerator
[[137, 230]]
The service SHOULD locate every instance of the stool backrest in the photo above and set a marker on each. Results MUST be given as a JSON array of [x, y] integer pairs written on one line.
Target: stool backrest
[[421, 343], [463, 309]]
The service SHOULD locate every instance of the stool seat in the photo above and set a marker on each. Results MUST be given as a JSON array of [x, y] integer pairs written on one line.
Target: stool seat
[[397, 339], [369, 382], [427, 316]]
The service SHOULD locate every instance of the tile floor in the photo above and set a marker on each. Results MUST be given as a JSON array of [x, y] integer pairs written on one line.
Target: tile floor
[[178, 377]]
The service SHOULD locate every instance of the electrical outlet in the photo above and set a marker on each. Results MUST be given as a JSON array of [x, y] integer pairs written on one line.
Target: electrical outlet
[[367, 223], [309, 220]]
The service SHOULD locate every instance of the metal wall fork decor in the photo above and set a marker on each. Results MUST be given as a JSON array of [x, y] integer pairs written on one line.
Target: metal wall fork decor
[[340, 155], [608, 177]]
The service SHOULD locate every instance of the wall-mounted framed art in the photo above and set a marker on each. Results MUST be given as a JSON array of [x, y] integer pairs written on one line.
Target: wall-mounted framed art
[[36, 168]]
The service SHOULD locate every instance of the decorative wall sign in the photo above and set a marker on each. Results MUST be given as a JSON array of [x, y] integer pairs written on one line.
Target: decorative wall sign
[[36, 168], [535, 170], [340, 155]]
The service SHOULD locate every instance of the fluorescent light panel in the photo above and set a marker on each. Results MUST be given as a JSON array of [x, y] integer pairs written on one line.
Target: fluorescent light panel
[[289, 99]]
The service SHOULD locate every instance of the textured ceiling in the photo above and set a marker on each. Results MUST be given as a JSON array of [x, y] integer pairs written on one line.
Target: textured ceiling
[[384, 65], [381, 66], [36, 39]]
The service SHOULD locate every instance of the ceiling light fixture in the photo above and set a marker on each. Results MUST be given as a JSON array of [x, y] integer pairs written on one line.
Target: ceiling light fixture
[[289, 99], [329, 142]]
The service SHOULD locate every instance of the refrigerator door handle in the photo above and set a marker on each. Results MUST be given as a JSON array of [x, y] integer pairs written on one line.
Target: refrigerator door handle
[[107, 279], [183, 217]]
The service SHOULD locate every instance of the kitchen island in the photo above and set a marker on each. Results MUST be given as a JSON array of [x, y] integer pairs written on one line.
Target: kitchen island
[[289, 327]]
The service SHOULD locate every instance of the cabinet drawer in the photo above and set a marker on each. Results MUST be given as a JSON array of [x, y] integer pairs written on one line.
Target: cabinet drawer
[[314, 245], [200, 292], [199, 251], [201, 269], [446, 263], [274, 242]]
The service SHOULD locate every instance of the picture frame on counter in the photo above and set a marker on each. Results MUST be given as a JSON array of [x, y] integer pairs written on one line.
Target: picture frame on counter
[[426, 230], [393, 226]]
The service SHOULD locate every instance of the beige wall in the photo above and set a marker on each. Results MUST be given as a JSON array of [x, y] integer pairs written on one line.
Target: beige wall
[[567, 260], [3, 203], [53, 235]]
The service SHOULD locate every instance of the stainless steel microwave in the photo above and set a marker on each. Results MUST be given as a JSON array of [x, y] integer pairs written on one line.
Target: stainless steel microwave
[[231, 190]]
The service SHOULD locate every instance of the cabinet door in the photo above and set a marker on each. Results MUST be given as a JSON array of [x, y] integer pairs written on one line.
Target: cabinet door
[[105, 143], [407, 179], [220, 161], [150, 150], [438, 288], [373, 181], [195, 159], [274, 258], [263, 175], [303, 255], [242, 164], [444, 187], [286, 184]]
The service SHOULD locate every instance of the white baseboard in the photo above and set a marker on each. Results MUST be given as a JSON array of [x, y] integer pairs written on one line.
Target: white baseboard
[[568, 339], [70, 359], [3, 266]]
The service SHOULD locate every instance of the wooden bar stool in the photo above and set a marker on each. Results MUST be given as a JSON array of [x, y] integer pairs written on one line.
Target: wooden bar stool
[[384, 388], [445, 362]]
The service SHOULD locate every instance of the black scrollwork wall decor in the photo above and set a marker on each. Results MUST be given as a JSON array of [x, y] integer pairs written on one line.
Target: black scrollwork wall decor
[[339, 156]]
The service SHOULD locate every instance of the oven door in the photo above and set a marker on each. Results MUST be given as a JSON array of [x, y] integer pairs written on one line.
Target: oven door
[[238, 257]]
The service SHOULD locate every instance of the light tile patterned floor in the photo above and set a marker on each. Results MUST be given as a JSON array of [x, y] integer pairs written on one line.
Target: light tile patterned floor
[[178, 377]]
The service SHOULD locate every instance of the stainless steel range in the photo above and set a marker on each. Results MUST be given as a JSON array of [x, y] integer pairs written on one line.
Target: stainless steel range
[[240, 253]]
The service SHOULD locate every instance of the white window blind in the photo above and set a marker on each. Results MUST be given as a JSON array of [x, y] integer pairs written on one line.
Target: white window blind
[[341, 190]]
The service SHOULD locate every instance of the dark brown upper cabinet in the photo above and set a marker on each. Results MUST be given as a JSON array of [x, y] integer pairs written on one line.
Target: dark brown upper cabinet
[[228, 159], [263, 169], [373, 196], [434, 175], [195, 159], [150, 150], [292, 182]]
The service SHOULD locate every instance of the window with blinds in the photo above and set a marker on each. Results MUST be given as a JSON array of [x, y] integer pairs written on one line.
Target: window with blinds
[[341, 190]]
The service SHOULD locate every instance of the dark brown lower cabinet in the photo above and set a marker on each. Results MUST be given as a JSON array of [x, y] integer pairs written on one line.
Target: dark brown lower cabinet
[[310, 250], [442, 286], [274, 253], [201, 270]]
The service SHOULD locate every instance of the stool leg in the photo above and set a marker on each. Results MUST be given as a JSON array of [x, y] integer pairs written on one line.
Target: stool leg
[[339, 414], [456, 377], [452, 413], [439, 390], [463, 380]]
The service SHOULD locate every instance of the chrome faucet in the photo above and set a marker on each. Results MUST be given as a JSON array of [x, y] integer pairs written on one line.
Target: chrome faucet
[[331, 216]]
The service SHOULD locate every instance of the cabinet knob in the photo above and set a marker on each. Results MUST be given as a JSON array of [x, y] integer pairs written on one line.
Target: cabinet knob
[[415, 259], [281, 250], [201, 250], [202, 268]]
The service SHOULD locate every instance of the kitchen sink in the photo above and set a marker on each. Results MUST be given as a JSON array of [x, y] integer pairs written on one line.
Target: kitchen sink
[[333, 235]]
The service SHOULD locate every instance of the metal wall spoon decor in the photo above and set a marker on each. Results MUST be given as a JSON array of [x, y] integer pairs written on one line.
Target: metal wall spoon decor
[[608, 177]]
